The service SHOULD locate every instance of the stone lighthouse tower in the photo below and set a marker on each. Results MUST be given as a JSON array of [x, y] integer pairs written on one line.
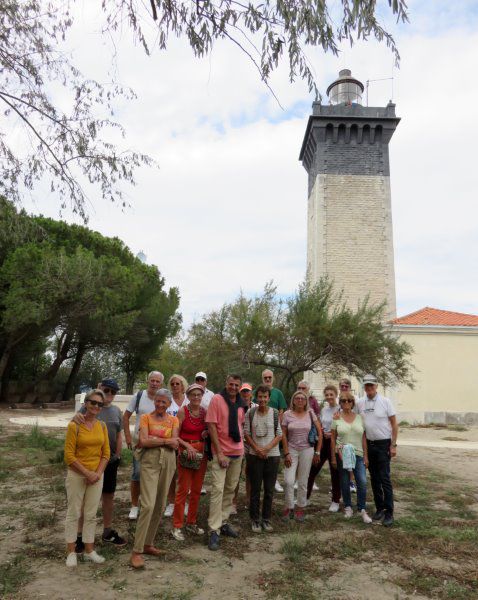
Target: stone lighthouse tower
[[345, 153]]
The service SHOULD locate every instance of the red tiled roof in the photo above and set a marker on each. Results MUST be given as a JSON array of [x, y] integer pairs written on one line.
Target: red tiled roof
[[435, 316]]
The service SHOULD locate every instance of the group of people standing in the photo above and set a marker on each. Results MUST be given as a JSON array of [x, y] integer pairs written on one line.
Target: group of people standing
[[180, 429]]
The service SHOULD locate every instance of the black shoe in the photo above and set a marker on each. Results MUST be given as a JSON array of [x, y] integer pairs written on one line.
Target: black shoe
[[213, 541], [79, 545], [378, 516], [388, 520], [114, 538], [228, 531]]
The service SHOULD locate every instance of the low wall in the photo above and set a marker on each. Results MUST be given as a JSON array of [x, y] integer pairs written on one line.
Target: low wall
[[121, 400], [441, 417]]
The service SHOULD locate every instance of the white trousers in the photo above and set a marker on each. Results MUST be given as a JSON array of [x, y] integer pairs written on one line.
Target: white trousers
[[301, 463], [79, 495]]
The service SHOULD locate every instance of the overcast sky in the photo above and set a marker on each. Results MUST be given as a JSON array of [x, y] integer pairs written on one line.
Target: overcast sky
[[227, 209]]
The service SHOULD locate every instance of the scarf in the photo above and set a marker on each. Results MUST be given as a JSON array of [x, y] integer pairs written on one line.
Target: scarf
[[233, 423]]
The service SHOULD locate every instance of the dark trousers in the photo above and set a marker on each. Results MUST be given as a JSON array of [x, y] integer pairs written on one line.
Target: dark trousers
[[262, 471], [379, 469], [325, 456]]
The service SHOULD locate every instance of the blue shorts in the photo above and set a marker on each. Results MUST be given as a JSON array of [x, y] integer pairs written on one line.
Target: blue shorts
[[136, 470]]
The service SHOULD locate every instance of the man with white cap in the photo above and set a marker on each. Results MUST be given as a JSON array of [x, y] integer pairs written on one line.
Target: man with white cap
[[381, 430], [201, 378]]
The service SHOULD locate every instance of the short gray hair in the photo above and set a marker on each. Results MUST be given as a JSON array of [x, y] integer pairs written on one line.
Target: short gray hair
[[163, 392], [158, 373], [304, 382]]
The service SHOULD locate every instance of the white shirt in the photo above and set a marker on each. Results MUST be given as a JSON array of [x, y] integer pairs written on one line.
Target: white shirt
[[174, 408], [206, 398], [327, 415], [376, 416], [145, 406]]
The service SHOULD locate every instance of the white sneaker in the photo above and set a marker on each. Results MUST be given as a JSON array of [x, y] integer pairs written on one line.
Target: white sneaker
[[334, 507], [94, 557], [133, 513], [177, 535], [71, 560], [186, 509], [169, 510], [296, 486], [203, 491], [348, 512], [279, 488], [365, 517], [315, 488]]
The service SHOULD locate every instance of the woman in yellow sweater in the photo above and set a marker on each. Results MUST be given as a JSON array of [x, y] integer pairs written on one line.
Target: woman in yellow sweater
[[87, 452]]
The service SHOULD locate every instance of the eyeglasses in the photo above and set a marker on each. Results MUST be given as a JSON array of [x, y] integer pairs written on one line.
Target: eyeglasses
[[346, 401], [109, 391], [175, 383], [200, 379], [301, 388], [96, 403], [266, 378]]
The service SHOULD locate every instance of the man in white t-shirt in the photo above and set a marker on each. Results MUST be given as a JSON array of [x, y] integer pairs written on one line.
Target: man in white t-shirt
[[141, 403], [201, 378], [381, 430]]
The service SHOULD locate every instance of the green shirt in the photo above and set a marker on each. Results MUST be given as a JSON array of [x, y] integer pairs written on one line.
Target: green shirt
[[276, 399], [350, 433]]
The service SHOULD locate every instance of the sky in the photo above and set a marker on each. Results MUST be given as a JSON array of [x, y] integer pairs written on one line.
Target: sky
[[227, 209]]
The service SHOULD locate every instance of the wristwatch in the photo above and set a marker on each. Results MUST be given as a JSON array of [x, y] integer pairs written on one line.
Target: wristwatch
[[394, 445], [317, 453]]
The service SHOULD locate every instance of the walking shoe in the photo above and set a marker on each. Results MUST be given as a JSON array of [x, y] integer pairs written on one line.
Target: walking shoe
[[153, 551], [365, 517], [169, 510], [136, 561], [278, 488], [334, 507], [266, 526], [194, 529], [299, 516], [213, 541], [378, 516], [256, 527], [353, 487], [94, 557], [133, 513], [315, 487], [79, 545], [388, 520], [186, 509], [229, 531], [348, 512], [114, 538], [233, 509], [288, 514], [203, 491], [296, 486], [71, 560], [177, 535]]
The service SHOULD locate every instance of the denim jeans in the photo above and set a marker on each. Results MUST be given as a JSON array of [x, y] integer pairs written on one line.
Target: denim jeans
[[379, 469], [261, 471], [360, 475]]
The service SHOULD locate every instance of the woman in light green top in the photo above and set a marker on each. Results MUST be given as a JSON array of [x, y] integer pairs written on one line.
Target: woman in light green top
[[349, 448]]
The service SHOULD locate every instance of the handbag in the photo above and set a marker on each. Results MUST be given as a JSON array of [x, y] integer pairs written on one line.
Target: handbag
[[313, 435], [190, 463]]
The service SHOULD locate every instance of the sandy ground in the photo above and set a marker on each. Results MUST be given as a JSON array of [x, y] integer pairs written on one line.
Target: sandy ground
[[233, 572]]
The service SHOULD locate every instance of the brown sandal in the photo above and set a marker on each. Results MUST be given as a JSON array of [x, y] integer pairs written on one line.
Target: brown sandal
[[152, 551], [136, 561]]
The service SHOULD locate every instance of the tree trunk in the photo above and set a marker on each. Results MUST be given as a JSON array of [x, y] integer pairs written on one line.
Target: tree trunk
[[130, 377], [5, 380], [70, 384], [60, 358]]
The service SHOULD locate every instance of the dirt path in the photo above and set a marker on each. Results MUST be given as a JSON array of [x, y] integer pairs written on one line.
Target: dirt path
[[326, 557]]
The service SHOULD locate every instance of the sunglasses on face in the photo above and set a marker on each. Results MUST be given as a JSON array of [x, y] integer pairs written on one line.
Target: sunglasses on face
[[267, 378], [96, 403], [175, 383], [200, 379], [346, 401], [109, 391]]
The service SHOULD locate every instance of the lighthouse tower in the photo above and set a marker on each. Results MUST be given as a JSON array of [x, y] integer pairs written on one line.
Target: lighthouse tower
[[345, 153]]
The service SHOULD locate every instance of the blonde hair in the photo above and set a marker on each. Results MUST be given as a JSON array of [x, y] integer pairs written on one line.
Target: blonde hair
[[92, 393], [347, 396], [181, 379], [294, 396]]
